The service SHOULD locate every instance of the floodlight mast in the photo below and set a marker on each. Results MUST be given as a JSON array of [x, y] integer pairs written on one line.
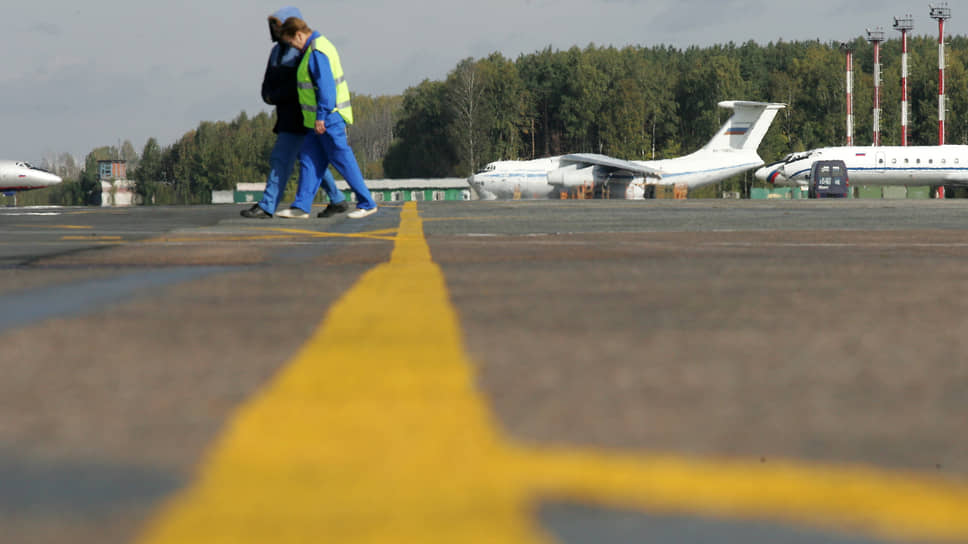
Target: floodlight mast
[[876, 37], [940, 13], [904, 25], [849, 54]]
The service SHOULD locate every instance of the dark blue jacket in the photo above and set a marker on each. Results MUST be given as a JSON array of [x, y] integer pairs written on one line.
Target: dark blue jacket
[[279, 82]]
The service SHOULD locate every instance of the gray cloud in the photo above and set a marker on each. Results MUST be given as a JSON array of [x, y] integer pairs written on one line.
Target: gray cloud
[[77, 76], [697, 17], [47, 29]]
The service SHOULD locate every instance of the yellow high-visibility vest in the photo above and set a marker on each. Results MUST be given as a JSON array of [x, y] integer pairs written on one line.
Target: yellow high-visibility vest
[[307, 90]]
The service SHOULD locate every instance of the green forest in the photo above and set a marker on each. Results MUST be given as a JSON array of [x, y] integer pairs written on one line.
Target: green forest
[[634, 103]]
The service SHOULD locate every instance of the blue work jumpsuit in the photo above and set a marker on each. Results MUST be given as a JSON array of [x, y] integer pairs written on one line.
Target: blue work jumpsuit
[[321, 150]]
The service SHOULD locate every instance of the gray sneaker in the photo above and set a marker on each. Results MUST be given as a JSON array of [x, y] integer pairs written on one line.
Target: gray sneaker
[[256, 212], [333, 209]]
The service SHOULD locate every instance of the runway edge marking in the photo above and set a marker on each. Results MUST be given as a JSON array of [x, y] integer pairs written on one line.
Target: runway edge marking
[[375, 432]]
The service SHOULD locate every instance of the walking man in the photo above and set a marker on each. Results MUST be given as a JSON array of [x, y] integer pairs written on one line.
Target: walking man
[[324, 97]]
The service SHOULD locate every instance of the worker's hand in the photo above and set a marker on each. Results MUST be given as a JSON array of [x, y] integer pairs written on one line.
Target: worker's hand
[[320, 126]]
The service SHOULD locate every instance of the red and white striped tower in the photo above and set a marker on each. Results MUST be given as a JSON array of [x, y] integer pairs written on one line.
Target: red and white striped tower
[[876, 37], [849, 53], [940, 13], [904, 25]]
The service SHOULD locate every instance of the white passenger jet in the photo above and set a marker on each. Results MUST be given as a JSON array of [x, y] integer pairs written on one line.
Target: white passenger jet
[[890, 165], [731, 151], [21, 176]]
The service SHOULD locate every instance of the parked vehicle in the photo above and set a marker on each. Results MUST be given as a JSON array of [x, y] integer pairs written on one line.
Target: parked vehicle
[[828, 179]]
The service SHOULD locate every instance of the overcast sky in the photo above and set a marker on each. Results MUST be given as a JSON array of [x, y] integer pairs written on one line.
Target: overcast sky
[[81, 74]]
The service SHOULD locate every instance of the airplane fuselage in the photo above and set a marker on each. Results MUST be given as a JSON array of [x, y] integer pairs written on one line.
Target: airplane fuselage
[[515, 179], [545, 178], [890, 165], [705, 166], [21, 176], [731, 151]]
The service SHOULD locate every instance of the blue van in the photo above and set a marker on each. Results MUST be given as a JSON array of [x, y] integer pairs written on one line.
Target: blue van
[[828, 179]]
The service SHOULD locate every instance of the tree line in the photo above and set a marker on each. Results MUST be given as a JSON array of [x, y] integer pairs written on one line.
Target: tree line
[[660, 102], [633, 102]]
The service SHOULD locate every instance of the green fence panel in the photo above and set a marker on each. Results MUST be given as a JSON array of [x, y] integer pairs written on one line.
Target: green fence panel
[[895, 192], [919, 193]]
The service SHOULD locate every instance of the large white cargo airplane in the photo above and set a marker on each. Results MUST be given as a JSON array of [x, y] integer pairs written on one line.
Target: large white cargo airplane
[[731, 151], [21, 176], [891, 165]]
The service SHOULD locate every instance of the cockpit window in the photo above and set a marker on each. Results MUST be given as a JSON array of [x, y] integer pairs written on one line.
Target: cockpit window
[[24, 164], [489, 168], [794, 157]]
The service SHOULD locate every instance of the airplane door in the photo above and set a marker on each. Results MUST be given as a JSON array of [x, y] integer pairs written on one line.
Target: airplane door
[[881, 161]]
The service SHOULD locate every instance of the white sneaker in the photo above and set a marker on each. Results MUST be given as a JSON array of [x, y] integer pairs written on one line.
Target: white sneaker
[[293, 213], [360, 213]]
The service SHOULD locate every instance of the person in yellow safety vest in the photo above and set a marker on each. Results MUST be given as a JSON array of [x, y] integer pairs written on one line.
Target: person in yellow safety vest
[[325, 99], [279, 90]]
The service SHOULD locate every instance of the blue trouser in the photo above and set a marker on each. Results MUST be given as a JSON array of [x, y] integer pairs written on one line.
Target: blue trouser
[[317, 153], [288, 145], [309, 180], [281, 160]]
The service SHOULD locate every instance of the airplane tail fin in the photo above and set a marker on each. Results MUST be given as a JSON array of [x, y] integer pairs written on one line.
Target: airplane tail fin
[[747, 126]]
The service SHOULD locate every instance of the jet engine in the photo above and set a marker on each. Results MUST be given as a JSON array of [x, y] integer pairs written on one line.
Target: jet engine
[[573, 176]]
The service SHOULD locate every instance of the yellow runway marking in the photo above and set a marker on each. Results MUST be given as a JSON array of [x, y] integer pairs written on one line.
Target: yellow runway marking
[[382, 234], [213, 238], [285, 234], [69, 227], [92, 238], [375, 432]]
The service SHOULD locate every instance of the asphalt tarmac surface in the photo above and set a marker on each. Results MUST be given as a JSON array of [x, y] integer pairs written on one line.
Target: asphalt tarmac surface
[[657, 371]]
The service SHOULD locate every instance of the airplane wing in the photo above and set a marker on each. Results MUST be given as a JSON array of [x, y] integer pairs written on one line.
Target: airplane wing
[[617, 165]]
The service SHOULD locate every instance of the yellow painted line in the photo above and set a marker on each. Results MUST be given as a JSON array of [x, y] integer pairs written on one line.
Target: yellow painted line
[[69, 227], [92, 238], [213, 238], [375, 432], [287, 234], [375, 235]]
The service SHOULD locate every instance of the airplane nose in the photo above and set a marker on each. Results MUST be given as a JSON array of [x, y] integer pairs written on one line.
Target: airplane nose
[[477, 185], [474, 184], [770, 173], [51, 179], [762, 173]]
